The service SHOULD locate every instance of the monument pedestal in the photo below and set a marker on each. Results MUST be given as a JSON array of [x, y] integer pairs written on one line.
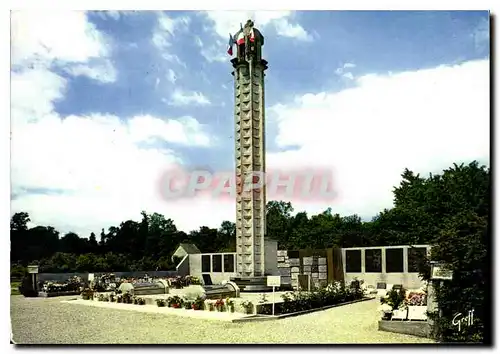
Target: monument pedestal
[[252, 284]]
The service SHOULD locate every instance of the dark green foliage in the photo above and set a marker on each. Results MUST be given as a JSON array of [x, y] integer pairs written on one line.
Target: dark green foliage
[[395, 298], [26, 288]]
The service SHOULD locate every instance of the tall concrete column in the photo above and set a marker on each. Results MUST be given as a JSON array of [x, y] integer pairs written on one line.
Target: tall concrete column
[[249, 117]]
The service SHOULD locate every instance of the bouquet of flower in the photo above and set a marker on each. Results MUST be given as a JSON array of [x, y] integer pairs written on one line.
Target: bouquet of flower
[[416, 299], [230, 304], [198, 304], [219, 305]]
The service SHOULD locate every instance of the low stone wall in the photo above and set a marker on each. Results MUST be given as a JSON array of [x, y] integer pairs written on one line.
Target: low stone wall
[[414, 328], [58, 293]]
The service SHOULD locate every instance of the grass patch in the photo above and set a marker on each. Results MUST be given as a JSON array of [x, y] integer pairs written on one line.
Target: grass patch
[[14, 288]]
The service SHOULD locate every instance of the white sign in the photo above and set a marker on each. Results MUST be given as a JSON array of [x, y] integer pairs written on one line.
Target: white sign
[[33, 269], [438, 271], [273, 280], [91, 276]]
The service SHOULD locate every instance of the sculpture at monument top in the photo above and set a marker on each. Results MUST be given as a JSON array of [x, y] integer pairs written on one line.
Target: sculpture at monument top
[[248, 42]]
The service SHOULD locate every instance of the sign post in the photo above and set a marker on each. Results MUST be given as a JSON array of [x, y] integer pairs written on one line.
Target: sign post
[[33, 270], [274, 281], [439, 272]]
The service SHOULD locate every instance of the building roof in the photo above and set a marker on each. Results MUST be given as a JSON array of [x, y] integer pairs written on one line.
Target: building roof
[[189, 248]]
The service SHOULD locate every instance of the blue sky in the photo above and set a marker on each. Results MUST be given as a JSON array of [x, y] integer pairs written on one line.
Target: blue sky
[[172, 65]]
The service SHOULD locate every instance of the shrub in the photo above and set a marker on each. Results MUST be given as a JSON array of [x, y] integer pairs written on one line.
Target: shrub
[[160, 302], [26, 287], [394, 298], [87, 294]]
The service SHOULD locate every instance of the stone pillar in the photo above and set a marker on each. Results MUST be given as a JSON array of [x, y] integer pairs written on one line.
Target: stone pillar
[[250, 158], [405, 259], [383, 260], [363, 265]]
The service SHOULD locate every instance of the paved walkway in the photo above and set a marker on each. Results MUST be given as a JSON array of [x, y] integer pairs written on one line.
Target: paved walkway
[[51, 321]]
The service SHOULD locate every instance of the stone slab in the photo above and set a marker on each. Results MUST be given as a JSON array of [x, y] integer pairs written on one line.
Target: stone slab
[[286, 280], [284, 272], [281, 259], [414, 328], [322, 268], [281, 253], [307, 260]]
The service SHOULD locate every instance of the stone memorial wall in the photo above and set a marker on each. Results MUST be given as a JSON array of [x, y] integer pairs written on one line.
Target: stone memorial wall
[[291, 264]]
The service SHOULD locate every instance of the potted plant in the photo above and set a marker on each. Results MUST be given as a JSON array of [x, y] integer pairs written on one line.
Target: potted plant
[[160, 303], [211, 306], [394, 301], [230, 304], [188, 305], [247, 306], [198, 304], [219, 305], [417, 306], [174, 301], [119, 298]]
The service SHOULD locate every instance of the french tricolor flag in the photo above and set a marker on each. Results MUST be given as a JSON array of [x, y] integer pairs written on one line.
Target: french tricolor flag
[[230, 45]]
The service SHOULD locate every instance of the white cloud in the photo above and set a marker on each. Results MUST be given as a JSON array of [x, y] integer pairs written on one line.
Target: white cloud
[[182, 98], [102, 71], [166, 28], [216, 52], [107, 167], [287, 29], [47, 38], [424, 120], [343, 71]]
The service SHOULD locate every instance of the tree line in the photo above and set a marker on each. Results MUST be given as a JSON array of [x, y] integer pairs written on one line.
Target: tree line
[[421, 207]]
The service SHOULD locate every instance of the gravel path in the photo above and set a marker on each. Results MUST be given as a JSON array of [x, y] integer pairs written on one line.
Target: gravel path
[[48, 321]]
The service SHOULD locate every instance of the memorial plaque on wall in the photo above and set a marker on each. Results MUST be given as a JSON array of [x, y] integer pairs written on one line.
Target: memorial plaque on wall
[[322, 261], [353, 261], [394, 260], [295, 262], [307, 269], [322, 276], [322, 269], [373, 260], [284, 272], [415, 257], [307, 261]]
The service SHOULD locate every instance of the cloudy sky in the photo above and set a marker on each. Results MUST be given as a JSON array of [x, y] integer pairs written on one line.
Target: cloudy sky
[[103, 103]]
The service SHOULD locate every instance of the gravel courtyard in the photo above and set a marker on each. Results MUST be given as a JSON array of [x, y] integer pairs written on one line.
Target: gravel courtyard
[[48, 321]]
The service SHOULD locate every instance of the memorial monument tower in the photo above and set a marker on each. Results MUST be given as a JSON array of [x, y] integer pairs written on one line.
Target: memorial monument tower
[[249, 116]]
